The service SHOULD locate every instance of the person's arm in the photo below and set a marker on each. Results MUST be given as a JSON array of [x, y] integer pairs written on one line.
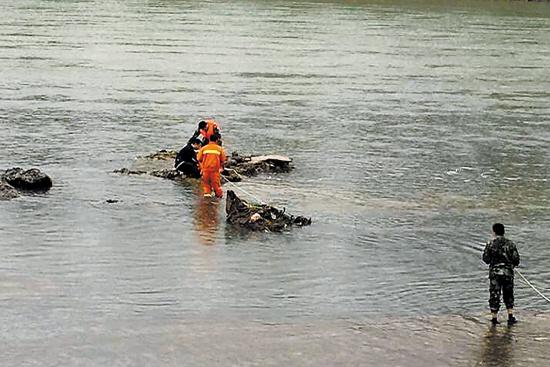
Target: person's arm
[[199, 159], [514, 256], [178, 158], [195, 136], [199, 156], [486, 258]]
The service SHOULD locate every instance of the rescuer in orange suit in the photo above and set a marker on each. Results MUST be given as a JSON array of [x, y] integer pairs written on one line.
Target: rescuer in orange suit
[[205, 130], [211, 159]]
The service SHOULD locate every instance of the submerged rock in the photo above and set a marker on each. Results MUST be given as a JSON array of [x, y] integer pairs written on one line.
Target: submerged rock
[[32, 179], [170, 174], [126, 171], [162, 154], [259, 217], [7, 191]]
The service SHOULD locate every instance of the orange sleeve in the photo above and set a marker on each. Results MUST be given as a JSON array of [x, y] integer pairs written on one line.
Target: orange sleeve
[[199, 155]]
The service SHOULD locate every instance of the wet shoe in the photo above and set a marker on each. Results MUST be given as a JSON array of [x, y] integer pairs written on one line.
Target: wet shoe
[[494, 321], [512, 320]]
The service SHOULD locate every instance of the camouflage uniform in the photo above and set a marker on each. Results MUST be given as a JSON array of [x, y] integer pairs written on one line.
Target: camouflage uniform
[[502, 256]]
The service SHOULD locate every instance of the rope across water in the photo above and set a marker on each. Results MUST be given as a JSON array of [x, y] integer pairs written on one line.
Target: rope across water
[[244, 191], [531, 285]]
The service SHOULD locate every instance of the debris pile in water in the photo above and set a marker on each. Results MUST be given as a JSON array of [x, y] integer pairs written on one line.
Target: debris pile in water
[[259, 217]]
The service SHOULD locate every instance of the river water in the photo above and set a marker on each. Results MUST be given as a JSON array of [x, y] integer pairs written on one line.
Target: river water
[[413, 126]]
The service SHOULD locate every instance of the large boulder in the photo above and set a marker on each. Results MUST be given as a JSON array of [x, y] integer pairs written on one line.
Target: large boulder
[[7, 191], [259, 217], [31, 180]]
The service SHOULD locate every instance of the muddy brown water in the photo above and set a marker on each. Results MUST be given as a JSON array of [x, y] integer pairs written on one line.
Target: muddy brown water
[[413, 126]]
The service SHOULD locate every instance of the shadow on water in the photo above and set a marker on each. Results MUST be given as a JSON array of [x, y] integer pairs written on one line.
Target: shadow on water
[[498, 347], [207, 219]]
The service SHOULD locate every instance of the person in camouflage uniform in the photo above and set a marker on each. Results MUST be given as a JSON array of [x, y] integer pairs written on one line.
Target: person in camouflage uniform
[[502, 256]]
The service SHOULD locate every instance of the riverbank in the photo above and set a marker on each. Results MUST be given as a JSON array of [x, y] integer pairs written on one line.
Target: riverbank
[[411, 342]]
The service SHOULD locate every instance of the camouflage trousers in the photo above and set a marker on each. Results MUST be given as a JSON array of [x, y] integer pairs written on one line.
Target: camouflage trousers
[[501, 283]]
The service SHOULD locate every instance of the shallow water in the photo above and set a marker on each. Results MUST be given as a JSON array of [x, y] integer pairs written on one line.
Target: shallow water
[[413, 126]]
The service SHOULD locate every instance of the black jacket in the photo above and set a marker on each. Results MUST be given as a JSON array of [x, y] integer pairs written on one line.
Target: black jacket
[[186, 154]]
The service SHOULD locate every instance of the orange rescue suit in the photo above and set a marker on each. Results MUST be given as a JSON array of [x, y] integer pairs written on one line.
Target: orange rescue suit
[[211, 159], [211, 128]]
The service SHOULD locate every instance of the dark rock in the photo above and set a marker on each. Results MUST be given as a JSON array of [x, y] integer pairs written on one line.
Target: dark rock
[[7, 191], [111, 201], [259, 217], [32, 179]]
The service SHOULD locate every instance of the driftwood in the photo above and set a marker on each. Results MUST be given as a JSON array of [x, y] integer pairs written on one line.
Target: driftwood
[[259, 217], [14, 179], [161, 164]]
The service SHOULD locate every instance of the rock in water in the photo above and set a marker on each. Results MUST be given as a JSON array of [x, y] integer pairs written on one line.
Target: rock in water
[[170, 174], [252, 165], [162, 155], [128, 172], [32, 179], [161, 164], [259, 217], [7, 191]]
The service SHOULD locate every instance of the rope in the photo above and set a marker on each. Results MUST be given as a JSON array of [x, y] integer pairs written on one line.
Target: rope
[[531, 285], [244, 191]]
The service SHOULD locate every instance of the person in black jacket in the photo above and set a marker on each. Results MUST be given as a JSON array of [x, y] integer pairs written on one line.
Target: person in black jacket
[[186, 160], [502, 256]]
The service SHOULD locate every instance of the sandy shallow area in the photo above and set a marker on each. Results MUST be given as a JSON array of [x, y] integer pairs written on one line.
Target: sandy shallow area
[[429, 341]]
